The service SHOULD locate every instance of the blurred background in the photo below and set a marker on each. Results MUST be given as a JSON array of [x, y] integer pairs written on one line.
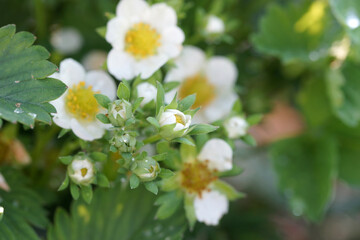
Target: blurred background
[[298, 64]]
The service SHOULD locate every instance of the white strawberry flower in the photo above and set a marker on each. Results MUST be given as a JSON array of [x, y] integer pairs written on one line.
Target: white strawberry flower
[[214, 25], [77, 107], [81, 171], [198, 175], [143, 38], [236, 127], [147, 91], [213, 81]]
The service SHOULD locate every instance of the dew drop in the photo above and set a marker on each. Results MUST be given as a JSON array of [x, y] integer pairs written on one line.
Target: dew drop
[[18, 110], [32, 115]]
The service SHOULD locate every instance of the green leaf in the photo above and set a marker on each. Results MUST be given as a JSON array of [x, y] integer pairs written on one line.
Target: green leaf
[[306, 169], [186, 103], [87, 193], [103, 100], [98, 156], [134, 181], [137, 103], [65, 183], [103, 118], [236, 170], [249, 140], [237, 107], [314, 102], [170, 86], [24, 89], [202, 128], [101, 31], [66, 159], [183, 141], [152, 187], [254, 119], [62, 132], [166, 173], [160, 97], [23, 208], [297, 31], [74, 190], [116, 213], [347, 13], [168, 203], [102, 181], [153, 122], [343, 90], [227, 190], [123, 91], [160, 157], [190, 210]]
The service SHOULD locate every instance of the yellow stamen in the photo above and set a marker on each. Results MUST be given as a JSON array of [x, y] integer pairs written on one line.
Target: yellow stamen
[[179, 119], [199, 84], [83, 172], [196, 177], [81, 103], [142, 41]]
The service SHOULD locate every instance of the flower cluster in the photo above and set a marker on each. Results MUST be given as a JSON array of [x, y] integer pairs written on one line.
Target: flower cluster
[[173, 113]]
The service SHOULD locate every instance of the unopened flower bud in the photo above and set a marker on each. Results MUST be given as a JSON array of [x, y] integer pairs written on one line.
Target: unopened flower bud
[[147, 169], [173, 124], [119, 112], [124, 142], [147, 91], [236, 127], [81, 171]]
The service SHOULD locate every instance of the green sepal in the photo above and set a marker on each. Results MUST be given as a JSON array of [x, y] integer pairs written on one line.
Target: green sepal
[[152, 187], [74, 190], [201, 129], [87, 193], [66, 159], [65, 183], [227, 190], [160, 97], [103, 100], [103, 118], [186, 103], [153, 122], [123, 91], [98, 156], [134, 181]]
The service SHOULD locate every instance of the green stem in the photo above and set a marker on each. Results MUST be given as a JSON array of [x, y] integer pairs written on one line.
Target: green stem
[[40, 16]]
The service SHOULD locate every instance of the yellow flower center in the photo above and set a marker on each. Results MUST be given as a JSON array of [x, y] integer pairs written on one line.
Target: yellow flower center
[[179, 119], [81, 103], [142, 41], [83, 172], [199, 84], [196, 177]]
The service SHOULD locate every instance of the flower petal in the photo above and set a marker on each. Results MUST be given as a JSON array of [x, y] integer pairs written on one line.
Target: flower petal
[[129, 9], [189, 63], [116, 31], [121, 65], [102, 82], [61, 117], [87, 131], [221, 72], [210, 207], [161, 16], [71, 72], [150, 65], [219, 108], [172, 38], [218, 153]]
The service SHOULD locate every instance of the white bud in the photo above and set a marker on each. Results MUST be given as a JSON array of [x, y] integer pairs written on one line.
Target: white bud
[[66, 40], [214, 25], [147, 91], [174, 117], [236, 127], [81, 171]]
